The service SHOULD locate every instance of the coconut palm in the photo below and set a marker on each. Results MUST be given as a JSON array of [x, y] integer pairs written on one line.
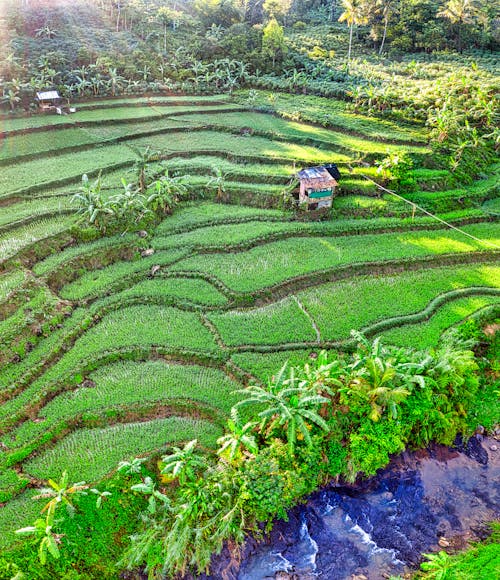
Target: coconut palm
[[386, 8], [355, 13], [288, 408]]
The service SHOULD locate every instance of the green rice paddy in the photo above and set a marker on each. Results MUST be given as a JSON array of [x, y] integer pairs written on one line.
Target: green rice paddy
[[109, 355]]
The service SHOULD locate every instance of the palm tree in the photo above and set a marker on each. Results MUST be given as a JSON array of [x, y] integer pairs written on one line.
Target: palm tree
[[288, 408], [459, 12], [385, 7], [355, 13]]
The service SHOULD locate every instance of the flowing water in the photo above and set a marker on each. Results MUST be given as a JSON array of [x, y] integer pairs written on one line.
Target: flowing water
[[380, 527]]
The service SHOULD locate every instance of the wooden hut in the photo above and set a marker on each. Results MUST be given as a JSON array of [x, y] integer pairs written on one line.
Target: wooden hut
[[317, 186], [52, 101]]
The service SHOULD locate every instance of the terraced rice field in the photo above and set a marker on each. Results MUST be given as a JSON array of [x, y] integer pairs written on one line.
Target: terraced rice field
[[99, 354]]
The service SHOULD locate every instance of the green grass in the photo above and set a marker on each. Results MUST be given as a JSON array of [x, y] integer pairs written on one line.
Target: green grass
[[136, 326], [90, 454], [265, 365], [275, 262], [33, 208], [334, 113], [44, 142], [95, 282], [11, 281], [128, 383], [239, 145], [67, 165], [341, 306], [17, 239], [292, 130], [164, 100], [424, 335], [283, 322], [189, 290], [194, 215], [492, 206], [58, 259], [17, 513], [226, 234]]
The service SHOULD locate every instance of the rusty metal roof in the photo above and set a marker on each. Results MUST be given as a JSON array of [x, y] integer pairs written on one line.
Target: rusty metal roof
[[316, 177]]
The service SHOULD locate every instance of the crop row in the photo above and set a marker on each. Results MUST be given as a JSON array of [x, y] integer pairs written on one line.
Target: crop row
[[39, 173], [273, 263], [276, 127], [90, 454], [94, 283], [14, 241], [334, 113], [127, 383], [105, 114], [259, 236], [426, 334], [339, 307]]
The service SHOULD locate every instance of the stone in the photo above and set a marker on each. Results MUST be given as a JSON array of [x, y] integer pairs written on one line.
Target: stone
[[443, 542], [494, 447], [154, 270], [142, 234], [148, 252]]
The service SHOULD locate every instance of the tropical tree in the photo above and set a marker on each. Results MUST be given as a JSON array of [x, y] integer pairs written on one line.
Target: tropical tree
[[59, 493], [355, 13], [166, 192], [184, 464], [128, 205], [238, 440], [115, 81], [288, 408], [459, 12], [386, 8], [144, 158], [91, 203], [273, 41], [218, 182]]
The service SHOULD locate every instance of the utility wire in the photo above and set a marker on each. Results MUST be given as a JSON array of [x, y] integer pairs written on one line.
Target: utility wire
[[415, 207]]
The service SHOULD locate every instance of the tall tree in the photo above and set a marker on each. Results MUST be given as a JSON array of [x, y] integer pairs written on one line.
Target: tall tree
[[355, 13], [386, 8], [459, 12], [273, 40]]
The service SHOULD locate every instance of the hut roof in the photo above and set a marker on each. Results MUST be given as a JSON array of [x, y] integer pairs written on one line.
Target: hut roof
[[316, 177], [48, 96]]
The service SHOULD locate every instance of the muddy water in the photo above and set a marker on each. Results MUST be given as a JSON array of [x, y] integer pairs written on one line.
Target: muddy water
[[380, 527]]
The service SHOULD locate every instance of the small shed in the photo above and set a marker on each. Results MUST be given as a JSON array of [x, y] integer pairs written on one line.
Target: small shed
[[52, 101], [317, 186], [48, 100]]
